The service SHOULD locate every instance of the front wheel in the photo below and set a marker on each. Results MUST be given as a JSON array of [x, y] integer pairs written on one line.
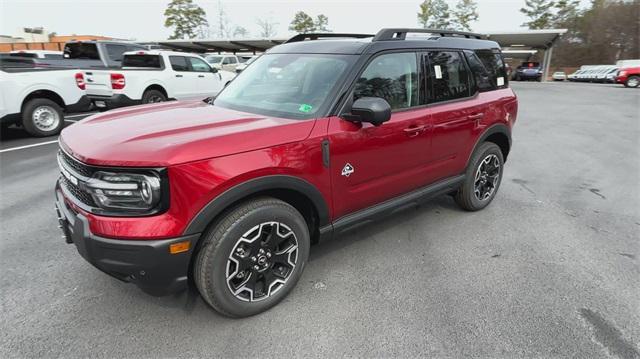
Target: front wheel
[[483, 177], [252, 257], [42, 117], [632, 81]]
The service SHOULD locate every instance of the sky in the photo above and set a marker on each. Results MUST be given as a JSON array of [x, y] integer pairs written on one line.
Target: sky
[[143, 20]]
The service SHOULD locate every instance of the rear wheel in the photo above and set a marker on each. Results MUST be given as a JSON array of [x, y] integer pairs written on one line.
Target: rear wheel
[[632, 81], [42, 117], [252, 257], [153, 96], [483, 177]]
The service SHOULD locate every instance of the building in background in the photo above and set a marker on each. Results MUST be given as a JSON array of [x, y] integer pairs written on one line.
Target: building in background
[[37, 38]]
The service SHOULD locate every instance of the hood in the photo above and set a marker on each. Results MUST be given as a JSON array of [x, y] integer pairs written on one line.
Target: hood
[[170, 133]]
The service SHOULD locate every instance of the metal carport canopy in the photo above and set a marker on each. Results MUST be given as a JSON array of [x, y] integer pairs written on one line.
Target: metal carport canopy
[[216, 45]]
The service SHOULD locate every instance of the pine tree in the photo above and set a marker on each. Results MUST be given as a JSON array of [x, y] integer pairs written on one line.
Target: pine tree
[[465, 13], [434, 14], [302, 23], [322, 23], [539, 12], [186, 18]]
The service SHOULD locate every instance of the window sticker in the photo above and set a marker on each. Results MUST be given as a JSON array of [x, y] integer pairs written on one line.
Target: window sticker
[[305, 108], [438, 71], [500, 81]]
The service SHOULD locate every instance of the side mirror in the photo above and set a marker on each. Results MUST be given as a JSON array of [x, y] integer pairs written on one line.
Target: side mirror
[[374, 110], [214, 70]]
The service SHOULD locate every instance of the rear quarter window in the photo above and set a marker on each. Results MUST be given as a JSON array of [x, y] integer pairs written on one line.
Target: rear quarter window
[[148, 61], [79, 50], [494, 64]]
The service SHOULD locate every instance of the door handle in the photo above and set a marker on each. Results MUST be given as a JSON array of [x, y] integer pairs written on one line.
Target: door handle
[[476, 116], [200, 75], [413, 131], [178, 75]]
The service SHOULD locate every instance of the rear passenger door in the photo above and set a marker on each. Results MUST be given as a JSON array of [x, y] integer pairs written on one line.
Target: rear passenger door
[[455, 110], [179, 80]]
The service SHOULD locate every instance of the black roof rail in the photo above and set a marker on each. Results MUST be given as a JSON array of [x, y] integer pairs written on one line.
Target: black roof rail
[[316, 36], [401, 34]]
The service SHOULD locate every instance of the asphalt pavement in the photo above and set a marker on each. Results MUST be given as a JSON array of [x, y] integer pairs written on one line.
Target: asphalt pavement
[[550, 269]]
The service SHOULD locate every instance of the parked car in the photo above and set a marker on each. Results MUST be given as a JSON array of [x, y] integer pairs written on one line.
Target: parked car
[[528, 71], [37, 99], [98, 54], [629, 76], [574, 76], [559, 76], [244, 65], [601, 77], [312, 139], [154, 76], [38, 54], [223, 62]]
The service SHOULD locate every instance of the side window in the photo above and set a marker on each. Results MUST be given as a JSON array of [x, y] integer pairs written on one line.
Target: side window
[[495, 66], [226, 61], [198, 65], [233, 60], [448, 76], [115, 51], [484, 81], [394, 77], [179, 63]]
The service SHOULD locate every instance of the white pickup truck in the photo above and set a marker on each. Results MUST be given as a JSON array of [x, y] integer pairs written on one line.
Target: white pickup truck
[[37, 98], [154, 76]]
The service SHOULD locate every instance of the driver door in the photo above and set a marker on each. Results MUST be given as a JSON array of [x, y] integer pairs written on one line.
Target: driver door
[[206, 83], [372, 164]]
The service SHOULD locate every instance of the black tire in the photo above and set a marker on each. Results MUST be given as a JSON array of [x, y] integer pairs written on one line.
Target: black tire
[[223, 240], [153, 96], [632, 81], [467, 197], [42, 117]]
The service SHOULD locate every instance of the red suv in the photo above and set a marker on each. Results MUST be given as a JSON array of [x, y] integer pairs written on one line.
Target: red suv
[[316, 137]]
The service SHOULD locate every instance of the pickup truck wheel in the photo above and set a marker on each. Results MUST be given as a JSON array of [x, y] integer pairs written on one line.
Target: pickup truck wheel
[[483, 178], [153, 96], [632, 81], [42, 117], [252, 257]]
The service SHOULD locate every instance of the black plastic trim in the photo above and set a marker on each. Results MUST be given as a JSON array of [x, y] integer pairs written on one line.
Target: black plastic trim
[[393, 205], [497, 128], [326, 156], [200, 222]]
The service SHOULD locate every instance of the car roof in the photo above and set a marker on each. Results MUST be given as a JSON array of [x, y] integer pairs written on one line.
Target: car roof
[[385, 39], [159, 52]]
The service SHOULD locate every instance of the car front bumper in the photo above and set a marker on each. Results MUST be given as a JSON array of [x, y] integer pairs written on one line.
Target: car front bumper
[[115, 101], [146, 263]]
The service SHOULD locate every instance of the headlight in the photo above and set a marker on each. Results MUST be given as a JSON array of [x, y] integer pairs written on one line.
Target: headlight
[[128, 192]]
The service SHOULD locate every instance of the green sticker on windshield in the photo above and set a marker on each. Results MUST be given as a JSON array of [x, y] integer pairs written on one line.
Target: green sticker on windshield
[[305, 108]]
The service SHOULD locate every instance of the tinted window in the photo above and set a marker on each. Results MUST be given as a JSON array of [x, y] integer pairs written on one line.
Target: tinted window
[[179, 63], [115, 51], [24, 54], [448, 76], [81, 50], [53, 56], [153, 61], [394, 77], [494, 64], [226, 61], [482, 77], [198, 65]]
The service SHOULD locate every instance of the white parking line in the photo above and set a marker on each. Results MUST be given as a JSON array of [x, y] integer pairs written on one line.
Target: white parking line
[[28, 146]]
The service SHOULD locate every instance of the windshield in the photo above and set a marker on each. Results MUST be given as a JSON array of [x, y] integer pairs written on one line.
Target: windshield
[[214, 59], [286, 85]]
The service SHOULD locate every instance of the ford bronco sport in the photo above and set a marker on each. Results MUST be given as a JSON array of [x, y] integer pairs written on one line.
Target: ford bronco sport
[[319, 135]]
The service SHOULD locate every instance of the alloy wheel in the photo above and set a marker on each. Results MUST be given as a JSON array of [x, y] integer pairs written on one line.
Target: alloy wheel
[[262, 261], [487, 177]]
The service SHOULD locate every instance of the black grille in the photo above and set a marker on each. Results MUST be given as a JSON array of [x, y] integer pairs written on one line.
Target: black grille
[[76, 192], [74, 164]]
